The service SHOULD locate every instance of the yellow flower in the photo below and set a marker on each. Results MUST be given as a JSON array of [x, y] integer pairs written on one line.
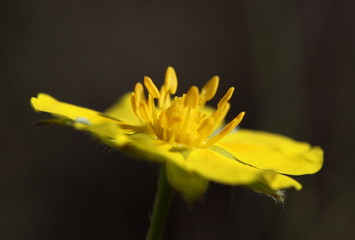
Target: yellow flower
[[191, 138]]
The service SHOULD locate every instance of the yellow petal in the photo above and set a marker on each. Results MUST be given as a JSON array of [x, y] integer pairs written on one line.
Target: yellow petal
[[190, 170], [221, 169], [148, 148], [46, 103], [123, 111], [179, 174], [189, 184], [279, 181], [83, 118], [273, 152], [196, 167], [109, 133]]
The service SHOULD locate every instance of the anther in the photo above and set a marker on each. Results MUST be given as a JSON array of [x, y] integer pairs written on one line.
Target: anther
[[221, 112], [152, 89], [210, 88], [143, 109], [206, 126], [139, 92], [227, 129], [134, 103], [170, 80], [164, 99], [226, 97], [163, 120], [192, 97]]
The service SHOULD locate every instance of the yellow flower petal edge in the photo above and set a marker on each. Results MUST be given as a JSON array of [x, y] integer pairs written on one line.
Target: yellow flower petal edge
[[188, 170], [219, 168], [46, 103], [180, 131], [273, 152], [81, 118]]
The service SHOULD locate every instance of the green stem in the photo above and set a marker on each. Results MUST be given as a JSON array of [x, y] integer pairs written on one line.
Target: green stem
[[161, 207]]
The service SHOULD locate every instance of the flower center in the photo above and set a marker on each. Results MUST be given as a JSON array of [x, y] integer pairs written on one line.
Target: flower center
[[182, 121]]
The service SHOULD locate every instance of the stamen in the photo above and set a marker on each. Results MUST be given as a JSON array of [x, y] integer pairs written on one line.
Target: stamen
[[134, 103], [136, 108], [139, 92], [210, 88], [165, 134], [152, 109], [221, 112], [163, 120], [206, 126], [180, 121], [150, 129], [204, 131], [226, 97], [227, 129], [152, 89], [144, 111], [184, 126], [170, 80], [192, 97], [172, 138], [175, 123], [162, 97], [164, 100]]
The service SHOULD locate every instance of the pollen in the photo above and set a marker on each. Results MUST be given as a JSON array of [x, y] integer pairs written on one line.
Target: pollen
[[180, 120]]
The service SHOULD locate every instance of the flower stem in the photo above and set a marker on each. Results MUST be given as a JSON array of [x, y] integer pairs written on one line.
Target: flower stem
[[161, 207]]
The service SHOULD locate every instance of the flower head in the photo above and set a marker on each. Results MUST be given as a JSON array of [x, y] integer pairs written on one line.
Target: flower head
[[181, 131], [181, 121]]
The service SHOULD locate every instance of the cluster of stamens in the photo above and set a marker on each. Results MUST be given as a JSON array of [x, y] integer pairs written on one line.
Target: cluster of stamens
[[181, 120]]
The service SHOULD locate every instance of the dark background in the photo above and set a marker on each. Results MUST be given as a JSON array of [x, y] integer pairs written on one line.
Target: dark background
[[292, 63]]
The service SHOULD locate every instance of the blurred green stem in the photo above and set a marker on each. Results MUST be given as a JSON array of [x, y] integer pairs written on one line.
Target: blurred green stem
[[161, 207]]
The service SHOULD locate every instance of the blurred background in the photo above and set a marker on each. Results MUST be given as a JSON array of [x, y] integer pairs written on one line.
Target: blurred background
[[292, 63]]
